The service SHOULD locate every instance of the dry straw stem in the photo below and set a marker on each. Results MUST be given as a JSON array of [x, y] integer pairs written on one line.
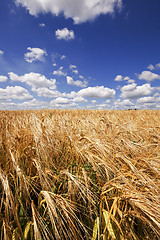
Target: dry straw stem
[[80, 174]]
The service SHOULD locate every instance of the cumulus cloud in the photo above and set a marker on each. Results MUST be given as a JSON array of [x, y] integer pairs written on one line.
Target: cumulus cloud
[[45, 92], [148, 76], [35, 54], [16, 92], [118, 78], [69, 105], [1, 52], [144, 100], [74, 68], [3, 78], [126, 78], [64, 34], [71, 66], [93, 101], [79, 11], [157, 99], [62, 57], [133, 91], [28, 104], [151, 67], [97, 92], [75, 71], [64, 102], [81, 77], [33, 79], [33, 104], [61, 100], [129, 87], [146, 106], [59, 72], [123, 104], [131, 81], [77, 83], [79, 100], [158, 65]]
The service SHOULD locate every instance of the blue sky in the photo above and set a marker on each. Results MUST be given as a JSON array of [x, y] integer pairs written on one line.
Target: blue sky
[[89, 54]]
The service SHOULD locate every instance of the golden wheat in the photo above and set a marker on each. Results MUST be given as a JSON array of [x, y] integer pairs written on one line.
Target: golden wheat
[[80, 174]]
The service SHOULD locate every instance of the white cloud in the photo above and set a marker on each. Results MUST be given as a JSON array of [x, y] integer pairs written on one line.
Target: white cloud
[[158, 100], [35, 54], [81, 77], [64, 102], [102, 106], [133, 91], [45, 92], [131, 81], [33, 79], [123, 104], [42, 24], [93, 101], [156, 94], [63, 57], [63, 105], [73, 94], [148, 76], [79, 11], [158, 65], [64, 34], [92, 92], [97, 92], [3, 78], [1, 52], [32, 104], [96, 105], [77, 83], [129, 87], [158, 106], [118, 78], [59, 72], [70, 80], [126, 78], [16, 92], [75, 71], [144, 100], [79, 100], [146, 106], [72, 66], [151, 67], [61, 100], [157, 88]]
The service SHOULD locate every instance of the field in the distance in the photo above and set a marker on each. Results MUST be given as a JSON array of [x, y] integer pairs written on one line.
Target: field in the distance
[[80, 174]]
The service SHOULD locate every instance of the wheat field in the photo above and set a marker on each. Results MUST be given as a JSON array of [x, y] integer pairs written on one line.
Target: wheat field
[[80, 174]]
